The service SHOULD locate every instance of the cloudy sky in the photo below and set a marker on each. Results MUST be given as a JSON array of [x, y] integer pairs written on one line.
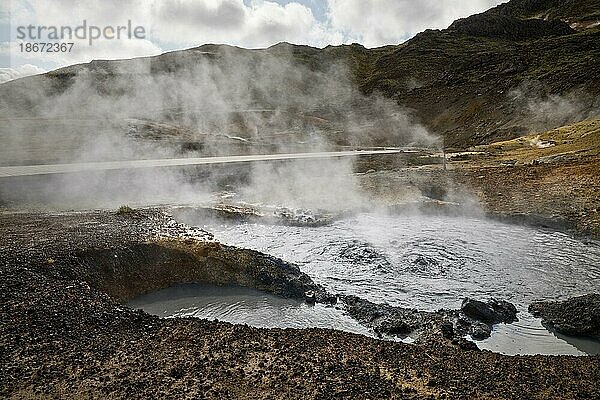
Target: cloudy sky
[[177, 24]]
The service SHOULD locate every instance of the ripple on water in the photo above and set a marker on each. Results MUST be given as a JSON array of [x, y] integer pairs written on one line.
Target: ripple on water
[[241, 305], [375, 256], [432, 262]]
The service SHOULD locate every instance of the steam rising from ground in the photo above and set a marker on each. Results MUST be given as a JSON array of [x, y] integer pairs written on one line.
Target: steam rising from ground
[[313, 184], [214, 100], [548, 111]]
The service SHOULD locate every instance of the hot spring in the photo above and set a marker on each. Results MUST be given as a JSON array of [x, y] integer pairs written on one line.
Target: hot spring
[[419, 261]]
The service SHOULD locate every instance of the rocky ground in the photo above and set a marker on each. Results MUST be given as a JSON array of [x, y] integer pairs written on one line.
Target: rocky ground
[[65, 334], [575, 316], [64, 278], [549, 179]]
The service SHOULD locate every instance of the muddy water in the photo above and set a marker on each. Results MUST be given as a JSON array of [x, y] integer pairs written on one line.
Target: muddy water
[[429, 262], [529, 336], [425, 262], [432, 262], [244, 306]]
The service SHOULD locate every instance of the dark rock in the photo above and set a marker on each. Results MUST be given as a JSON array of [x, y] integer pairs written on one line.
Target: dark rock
[[394, 325], [497, 26], [494, 311], [480, 330], [462, 324], [383, 318], [324, 297], [390, 320], [300, 217], [465, 344], [447, 330], [575, 316]]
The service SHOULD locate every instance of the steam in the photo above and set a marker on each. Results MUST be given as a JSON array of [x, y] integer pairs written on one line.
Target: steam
[[548, 111], [214, 100], [312, 184]]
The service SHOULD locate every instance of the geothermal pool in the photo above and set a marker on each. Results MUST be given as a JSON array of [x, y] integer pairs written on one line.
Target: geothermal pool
[[241, 305], [421, 261]]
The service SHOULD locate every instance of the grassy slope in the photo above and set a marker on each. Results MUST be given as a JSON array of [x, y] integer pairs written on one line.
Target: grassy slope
[[463, 84], [573, 11], [577, 142], [555, 175]]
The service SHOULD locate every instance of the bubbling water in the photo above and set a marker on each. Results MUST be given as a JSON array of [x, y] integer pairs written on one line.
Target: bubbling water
[[418, 261], [428, 262]]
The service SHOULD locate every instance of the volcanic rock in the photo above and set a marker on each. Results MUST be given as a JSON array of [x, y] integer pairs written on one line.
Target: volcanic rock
[[575, 316], [493, 311]]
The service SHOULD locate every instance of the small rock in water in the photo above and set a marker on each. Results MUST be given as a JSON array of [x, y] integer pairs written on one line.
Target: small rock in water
[[480, 331], [494, 311]]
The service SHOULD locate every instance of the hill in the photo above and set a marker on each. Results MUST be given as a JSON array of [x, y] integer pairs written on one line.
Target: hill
[[524, 66]]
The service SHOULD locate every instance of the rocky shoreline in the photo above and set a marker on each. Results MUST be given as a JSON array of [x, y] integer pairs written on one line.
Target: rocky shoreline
[[576, 316], [65, 333]]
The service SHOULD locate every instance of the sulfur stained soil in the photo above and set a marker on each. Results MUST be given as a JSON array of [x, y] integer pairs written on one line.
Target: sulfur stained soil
[[62, 336], [549, 179]]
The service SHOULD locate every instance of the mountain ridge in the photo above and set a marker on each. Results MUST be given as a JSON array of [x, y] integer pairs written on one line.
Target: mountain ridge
[[485, 78]]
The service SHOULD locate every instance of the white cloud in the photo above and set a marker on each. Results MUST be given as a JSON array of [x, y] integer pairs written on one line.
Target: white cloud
[[380, 22], [8, 74], [168, 25], [180, 23], [63, 13], [176, 24], [258, 24], [68, 12]]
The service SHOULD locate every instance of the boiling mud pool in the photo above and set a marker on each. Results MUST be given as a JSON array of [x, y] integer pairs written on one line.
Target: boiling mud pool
[[425, 262]]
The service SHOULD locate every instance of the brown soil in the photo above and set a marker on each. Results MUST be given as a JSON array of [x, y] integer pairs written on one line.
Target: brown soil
[[556, 186]]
